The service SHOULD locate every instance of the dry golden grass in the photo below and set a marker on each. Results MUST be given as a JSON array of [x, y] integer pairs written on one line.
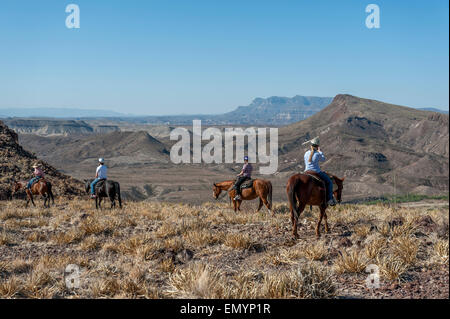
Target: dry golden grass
[[351, 262], [405, 247], [441, 250], [163, 250]]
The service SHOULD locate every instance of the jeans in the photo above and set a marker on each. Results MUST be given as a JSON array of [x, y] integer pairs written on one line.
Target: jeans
[[239, 181], [93, 185], [32, 181], [328, 184]]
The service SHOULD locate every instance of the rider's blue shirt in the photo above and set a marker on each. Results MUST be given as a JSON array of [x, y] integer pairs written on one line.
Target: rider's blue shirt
[[314, 164]]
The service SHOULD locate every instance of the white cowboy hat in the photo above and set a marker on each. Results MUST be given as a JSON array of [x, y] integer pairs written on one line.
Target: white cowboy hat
[[101, 160], [315, 141]]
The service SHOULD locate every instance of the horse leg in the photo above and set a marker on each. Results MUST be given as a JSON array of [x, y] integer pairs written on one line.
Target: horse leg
[[96, 202], [268, 205], [301, 207], [260, 205], [327, 228], [234, 206], [322, 213], [32, 201], [239, 202]]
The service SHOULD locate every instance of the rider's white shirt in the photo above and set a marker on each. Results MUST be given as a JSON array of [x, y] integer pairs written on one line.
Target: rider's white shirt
[[102, 172]]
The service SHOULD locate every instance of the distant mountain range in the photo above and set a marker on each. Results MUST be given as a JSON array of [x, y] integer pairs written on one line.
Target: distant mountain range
[[274, 110], [57, 113]]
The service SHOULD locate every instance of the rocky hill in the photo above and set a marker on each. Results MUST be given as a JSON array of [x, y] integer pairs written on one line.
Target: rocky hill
[[381, 148], [16, 164], [119, 148]]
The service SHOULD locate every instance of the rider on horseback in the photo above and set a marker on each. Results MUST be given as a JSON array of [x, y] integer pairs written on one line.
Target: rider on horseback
[[38, 174], [245, 174], [312, 159], [100, 174]]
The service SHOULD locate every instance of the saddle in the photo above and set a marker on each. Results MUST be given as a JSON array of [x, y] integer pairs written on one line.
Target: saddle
[[100, 183], [42, 179], [320, 182], [315, 177], [247, 184]]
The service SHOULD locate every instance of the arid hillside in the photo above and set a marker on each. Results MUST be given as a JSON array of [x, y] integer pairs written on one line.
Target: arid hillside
[[120, 148], [381, 148], [16, 164]]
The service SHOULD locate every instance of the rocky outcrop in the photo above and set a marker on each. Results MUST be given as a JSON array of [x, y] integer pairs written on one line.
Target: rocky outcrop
[[16, 164]]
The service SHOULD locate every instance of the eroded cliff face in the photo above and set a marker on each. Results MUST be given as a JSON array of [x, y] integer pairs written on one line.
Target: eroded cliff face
[[16, 164]]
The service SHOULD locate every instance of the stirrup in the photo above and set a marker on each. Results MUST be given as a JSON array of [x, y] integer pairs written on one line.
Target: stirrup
[[237, 197]]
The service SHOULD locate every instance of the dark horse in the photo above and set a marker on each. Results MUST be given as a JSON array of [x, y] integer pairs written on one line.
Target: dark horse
[[41, 187], [304, 189], [105, 189], [260, 188]]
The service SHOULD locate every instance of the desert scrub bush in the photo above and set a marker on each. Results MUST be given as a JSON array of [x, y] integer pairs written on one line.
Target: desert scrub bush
[[201, 238], [106, 287], [236, 240], [391, 267], [310, 281], [374, 247], [407, 229], [90, 243], [282, 257], [405, 247], [362, 230], [315, 282], [441, 250], [93, 226], [196, 281], [350, 262], [315, 252], [166, 265], [71, 237], [384, 229], [9, 288]]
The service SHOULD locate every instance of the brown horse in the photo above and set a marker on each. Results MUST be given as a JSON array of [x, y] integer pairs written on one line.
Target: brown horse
[[306, 190], [260, 188], [41, 187]]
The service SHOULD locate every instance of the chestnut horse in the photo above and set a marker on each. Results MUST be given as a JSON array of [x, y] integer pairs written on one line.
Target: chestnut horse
[[41, 187], [306, 190], [260, 188]]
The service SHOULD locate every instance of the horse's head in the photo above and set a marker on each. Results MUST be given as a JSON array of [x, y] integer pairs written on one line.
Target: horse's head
[[216, 191], [340, 186]]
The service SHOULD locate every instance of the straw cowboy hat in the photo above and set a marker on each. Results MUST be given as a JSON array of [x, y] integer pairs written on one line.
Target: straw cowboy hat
[[35, 165], [315, 141]]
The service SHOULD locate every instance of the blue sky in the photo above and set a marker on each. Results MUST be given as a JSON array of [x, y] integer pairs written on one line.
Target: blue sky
[[184, 57]]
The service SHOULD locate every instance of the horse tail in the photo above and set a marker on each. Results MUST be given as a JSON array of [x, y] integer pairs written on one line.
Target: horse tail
[[119, 197], [292, 183]]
